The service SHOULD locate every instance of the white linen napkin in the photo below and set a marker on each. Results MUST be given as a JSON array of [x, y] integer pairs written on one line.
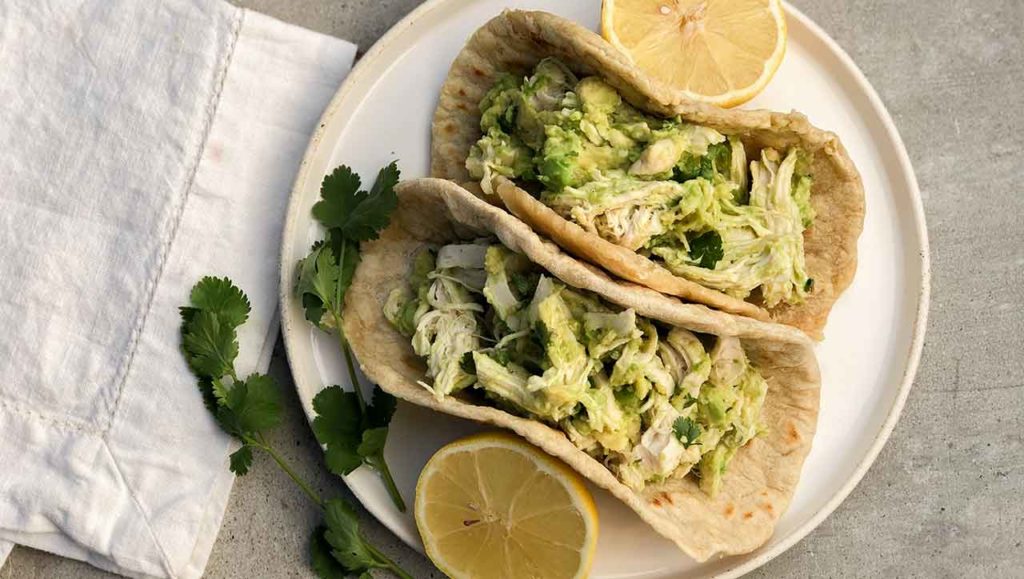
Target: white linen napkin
[[145, 143]]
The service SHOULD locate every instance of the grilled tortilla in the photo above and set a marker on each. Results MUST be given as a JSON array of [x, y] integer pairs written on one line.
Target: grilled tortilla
[[763, 474], [516, 41]]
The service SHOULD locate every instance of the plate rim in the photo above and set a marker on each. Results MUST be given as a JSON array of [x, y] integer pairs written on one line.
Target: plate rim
[[289, 306]]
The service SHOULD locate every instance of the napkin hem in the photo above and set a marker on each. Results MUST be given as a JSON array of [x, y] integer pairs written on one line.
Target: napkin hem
[[44, 530], [178, 212], [164, 559], [169, 237]]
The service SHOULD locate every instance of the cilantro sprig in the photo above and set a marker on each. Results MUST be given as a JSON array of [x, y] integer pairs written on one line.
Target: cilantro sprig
[[209, 332], [339, 547], [352, 431], [246, 408]]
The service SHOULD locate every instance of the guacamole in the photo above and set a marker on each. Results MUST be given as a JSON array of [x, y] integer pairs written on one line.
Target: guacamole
[[680, 194], [648, 401]]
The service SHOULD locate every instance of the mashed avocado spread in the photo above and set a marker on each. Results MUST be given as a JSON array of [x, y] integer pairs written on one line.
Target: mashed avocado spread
[[681, 194], [648, 401]]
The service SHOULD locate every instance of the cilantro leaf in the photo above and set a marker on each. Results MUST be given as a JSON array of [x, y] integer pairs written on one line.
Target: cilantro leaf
[[686, 430], [220, 393], [342, 460], [210, 344], [188, 314], [338, 417], [384, 190], [688, 167], [382, 408], [324, 279], [251, 406], [324, 564], [338, 427], [467, 363], [213, 393], [209, 396], [359, 215], [327, 276], [717, 160], [241, 460], [348, 262], [339, 193], [307, 270], [314, 309], [347, 544], [306, 285], [260, 407], [219, 296], [706, 249], [373, 442]]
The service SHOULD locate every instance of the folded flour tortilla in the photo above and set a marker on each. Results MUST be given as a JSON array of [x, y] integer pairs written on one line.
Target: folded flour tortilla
[[516, 41], [760, 480]]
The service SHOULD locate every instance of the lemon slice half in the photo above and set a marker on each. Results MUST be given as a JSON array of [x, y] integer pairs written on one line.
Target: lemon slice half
[[722, 52], [494, 506]]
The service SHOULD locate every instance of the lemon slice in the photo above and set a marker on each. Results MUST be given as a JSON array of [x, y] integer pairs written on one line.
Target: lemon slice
[[493, 506], [722, 52]]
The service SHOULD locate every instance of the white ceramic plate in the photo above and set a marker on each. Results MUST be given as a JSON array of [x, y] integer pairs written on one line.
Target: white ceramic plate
[[874, 335]]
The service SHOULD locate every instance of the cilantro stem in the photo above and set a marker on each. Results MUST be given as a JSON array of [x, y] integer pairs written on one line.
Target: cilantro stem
[[388, 563], [377, 462], [381, 466], [262, 444], [343, 344]]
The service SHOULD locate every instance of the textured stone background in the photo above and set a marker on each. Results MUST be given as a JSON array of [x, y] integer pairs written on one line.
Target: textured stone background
[[944, 498]]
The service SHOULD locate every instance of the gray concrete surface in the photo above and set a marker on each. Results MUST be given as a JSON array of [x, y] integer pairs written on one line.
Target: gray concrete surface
[[944, 498]]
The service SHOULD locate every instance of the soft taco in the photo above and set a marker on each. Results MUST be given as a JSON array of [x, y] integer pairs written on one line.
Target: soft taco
[[698, 420], [751, 212]]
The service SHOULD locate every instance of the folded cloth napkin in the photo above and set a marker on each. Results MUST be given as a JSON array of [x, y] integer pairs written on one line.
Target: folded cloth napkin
[[145, 143]]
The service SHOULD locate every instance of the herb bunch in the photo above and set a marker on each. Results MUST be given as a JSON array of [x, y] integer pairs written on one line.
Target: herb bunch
[[353, 431], [247, 408]]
